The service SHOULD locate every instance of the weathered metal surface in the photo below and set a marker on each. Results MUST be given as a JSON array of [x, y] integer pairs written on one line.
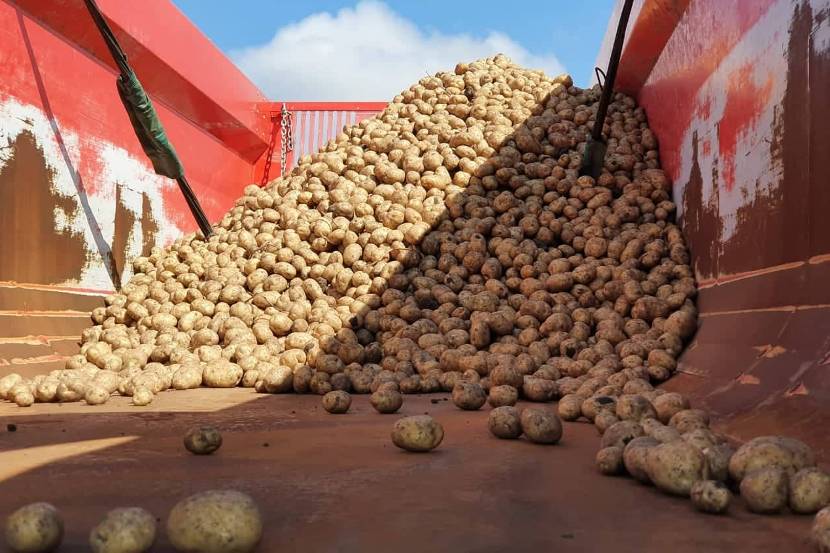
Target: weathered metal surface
[[737, 95], [78, 197], [336, 483]]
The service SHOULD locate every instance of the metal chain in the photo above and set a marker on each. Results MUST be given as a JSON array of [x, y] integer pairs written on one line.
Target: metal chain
[[287, 135]]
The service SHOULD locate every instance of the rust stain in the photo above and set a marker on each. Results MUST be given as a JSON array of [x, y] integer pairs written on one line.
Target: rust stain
[[700, 221], [744, 103], [124, 222], [28, 202], [149, 226]]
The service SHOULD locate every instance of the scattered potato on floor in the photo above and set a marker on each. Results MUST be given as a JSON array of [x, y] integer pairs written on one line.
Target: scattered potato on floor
[[124, 530], [215, 521], [710, 496], [203, 440], [34, 528], [505, 422], [419, 433], [337, 402], [541, 426]]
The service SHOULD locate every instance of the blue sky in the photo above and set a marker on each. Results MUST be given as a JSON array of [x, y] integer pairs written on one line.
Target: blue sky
[[370, 50]]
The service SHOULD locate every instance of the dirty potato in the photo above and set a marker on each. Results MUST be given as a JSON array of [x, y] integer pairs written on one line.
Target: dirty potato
[[215, 521], [203, 440], [469, 396], [765, 490], [386, 400], [505, 422], [609, 460], [503, 395], [710, 496], [541, 426], [337, 402], [675, 466], [419, 433], [35, 528], [809, 490], [124, 530]]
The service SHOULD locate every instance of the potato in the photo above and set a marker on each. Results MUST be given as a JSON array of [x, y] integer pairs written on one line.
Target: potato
[[506, 376], [770, 451], [541, 426], [96, 394], [669, 404], [689, 419], [37, 527], [597, 404], [221, 373], [124, 530], [202, 440], [765, 490], [609, 460], [503, 395], [809, 490], [621, 433], [570, 407], [215, 521], [386, 400], [710, 496], [538, 389], [634, 407], [337, 402], [276, 379], [820, 531], [605, 420], [469, 396], [7, 383], [674, 466], [717, 459], [419, 433], [505, 422], [635, 455], [142, 396]]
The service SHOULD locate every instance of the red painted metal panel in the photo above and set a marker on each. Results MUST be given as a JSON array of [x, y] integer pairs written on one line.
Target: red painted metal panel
[[736, 93], [176, 63]]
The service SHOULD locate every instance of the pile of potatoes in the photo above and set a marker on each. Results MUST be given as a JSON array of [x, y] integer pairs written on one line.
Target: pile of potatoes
[[449, 239]]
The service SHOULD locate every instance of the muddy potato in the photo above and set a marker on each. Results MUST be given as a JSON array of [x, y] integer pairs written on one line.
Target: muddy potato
[[669, 404], [505, 422], [770, 451], [570, 407], [386, 400], [124, 530], [337, 402], [538, 389], [541, 426], [202, 440], [34, 528], [674, 466], [605, 420], [420, 433], [469, 396], [634, 407], [809, 490], [710, 496], [689, 419], [820, 532], [598, 404], [765, 490], [95, 394], [215, 521], [503, 395], [717, 459], [634, 457], [621, 433], [609, 460]]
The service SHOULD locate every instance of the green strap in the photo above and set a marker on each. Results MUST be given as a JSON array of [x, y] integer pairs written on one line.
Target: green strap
[[148, 128]]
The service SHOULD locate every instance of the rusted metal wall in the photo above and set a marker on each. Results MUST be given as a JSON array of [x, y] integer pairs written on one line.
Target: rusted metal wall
[[78, 197], [737, 93]]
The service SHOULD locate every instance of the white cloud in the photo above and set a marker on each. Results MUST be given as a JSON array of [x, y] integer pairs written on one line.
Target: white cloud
[[368, 52]]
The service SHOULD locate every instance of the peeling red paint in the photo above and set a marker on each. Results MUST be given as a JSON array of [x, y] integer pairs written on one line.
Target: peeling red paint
[[744, 103]]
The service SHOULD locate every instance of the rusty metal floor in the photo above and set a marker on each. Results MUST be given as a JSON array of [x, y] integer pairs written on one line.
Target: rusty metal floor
[[336, 483]]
